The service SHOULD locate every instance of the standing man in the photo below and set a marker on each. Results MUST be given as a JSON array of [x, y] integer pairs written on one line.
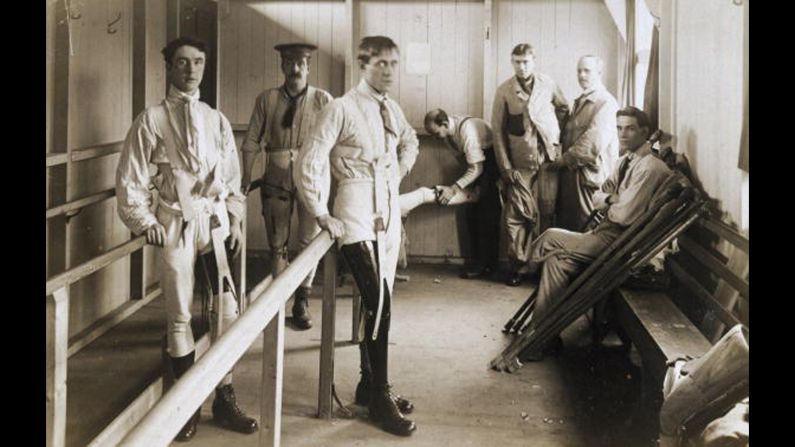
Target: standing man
[[364, 142], [471, 138], [525, 118], [199, 205], [626, 195], [590, 146], [282, 119]]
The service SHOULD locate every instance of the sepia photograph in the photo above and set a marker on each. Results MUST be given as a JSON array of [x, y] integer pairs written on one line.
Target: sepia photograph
[[375, 223]]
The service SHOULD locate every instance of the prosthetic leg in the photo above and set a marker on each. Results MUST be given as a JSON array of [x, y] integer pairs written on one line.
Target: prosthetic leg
[[361, 257], [226, 413]]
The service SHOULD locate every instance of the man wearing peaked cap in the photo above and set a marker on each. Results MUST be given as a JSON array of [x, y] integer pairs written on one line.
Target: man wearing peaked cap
[[283, 117]]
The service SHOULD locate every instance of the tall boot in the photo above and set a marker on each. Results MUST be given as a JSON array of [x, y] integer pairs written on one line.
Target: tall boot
[[363, 389], [382, 407], [227, 414], [301, 317], [180, 365]]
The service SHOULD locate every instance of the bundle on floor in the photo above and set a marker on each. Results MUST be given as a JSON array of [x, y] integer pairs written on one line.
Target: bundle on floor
[[675, 206]]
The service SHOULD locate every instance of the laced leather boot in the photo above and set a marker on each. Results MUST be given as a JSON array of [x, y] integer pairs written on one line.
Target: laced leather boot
[[363, 394], [301, 317], [180, 365], [228, 415], [384, 411]]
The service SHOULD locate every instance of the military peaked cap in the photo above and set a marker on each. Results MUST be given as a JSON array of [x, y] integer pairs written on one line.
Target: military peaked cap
[[295, 49]]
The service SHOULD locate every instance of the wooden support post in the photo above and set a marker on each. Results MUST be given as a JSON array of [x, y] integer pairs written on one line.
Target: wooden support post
[[240, 266], [57, 347], [271, 388], [324, 403], [356, 304], [139, 67]]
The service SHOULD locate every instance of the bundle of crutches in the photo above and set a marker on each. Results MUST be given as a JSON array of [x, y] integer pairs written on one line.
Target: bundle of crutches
[[674, 207]]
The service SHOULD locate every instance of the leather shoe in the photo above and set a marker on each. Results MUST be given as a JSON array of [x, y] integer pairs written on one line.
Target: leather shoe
[[189, 429], [477, 272], [514, 280], [301, 317], [228, 415], [363, 396], [385, 412]]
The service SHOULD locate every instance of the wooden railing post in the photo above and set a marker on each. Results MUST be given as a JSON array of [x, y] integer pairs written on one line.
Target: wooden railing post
[[57, 354], [356, 305], [271, 387], [325, 404]]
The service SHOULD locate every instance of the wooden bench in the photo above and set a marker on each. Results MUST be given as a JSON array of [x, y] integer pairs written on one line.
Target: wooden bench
[[708, 295]]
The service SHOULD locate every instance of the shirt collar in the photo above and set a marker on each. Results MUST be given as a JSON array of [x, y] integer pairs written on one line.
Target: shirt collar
[[287, 94], [367, 90], [177, 95]]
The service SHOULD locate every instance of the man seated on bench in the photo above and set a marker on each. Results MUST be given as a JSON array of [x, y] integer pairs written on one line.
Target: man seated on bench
[[625, 195]]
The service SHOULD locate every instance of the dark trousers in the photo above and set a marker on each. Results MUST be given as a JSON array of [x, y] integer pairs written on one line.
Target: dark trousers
[[362, 259], [483, 217]]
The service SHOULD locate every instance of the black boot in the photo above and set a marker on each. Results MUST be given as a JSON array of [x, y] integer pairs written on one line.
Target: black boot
[[301, 317], [180, 365], [363, 389], [227, 414], [385, 412]]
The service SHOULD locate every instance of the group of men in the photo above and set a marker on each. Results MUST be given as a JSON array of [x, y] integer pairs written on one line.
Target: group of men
[[363, 142]]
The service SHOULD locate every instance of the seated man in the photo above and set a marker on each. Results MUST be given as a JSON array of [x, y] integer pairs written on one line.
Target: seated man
[[625, 196]]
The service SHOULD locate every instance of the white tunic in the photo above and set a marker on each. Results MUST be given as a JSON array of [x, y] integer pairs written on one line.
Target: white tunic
[[348, 143]]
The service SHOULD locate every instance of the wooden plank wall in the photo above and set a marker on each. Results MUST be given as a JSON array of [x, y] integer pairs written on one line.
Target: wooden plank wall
[[99, 93], [560, 31], [707, 95], [100, 111]]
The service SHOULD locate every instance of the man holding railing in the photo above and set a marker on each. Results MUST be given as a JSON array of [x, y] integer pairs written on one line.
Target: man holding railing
[[625, 195], [364, 141], [199, 206], [281, 120]]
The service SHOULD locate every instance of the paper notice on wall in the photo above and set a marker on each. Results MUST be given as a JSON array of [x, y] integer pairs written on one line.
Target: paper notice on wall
[[418, 58]]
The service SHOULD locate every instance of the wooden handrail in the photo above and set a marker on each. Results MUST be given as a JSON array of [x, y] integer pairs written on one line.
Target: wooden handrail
[[81, 271], [162, 423], [80, 203], [88, 153]]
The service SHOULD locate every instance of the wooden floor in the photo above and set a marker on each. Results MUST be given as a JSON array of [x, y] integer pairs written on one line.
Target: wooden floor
[[444, 332]]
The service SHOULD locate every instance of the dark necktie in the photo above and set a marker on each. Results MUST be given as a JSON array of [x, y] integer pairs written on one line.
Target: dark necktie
[[386, 117], [622, 170], [287, 119]]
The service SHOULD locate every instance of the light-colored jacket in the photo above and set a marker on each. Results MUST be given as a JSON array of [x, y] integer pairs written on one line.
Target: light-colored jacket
[[157, 137], [590, 136], [544, 109], [349, 144]]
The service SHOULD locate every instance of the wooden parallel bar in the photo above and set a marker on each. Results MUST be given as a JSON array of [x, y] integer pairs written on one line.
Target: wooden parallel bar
[[57, 347], [108, 322], [96, 151], [714, 265], [56, 159], [726, 232], [80, 203], [162, 423], [701, 293], [81, 271], [84, 154], [325, 404], [130, 416], [271, 381]]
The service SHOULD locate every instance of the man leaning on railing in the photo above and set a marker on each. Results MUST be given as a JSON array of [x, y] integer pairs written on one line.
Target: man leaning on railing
[[199, 209]]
